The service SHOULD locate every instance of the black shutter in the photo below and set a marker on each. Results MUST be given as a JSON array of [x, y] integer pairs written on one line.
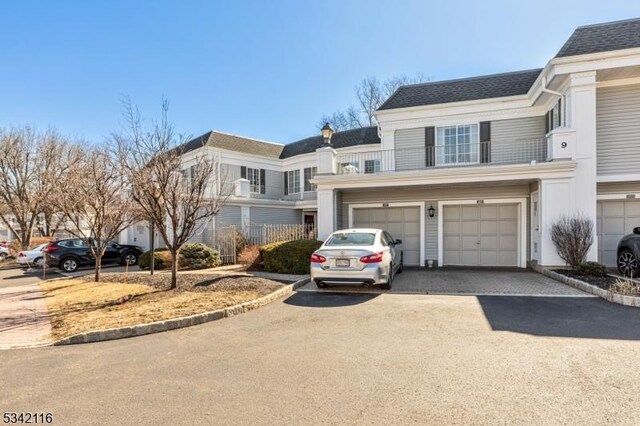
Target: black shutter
[[263, 182], [430, 146], [485, 131], [243, 172], [485, 141], [560, 112], [546, 122], [286, 183]]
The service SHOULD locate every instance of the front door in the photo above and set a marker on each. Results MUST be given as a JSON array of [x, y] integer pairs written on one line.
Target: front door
[[309, 223]]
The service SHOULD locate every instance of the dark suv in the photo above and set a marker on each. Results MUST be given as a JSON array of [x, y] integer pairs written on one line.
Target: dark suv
[[629, 254], [70, 254]]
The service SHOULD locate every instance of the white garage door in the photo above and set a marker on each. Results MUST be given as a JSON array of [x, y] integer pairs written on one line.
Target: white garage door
[[400, 222], [616, 218], [481, 235]]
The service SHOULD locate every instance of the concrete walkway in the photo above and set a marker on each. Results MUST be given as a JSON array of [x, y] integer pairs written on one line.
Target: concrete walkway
[[23, 317]]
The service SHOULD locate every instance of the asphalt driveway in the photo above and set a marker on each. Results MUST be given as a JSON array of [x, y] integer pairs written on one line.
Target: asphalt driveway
[[352, 359], [513, 282]]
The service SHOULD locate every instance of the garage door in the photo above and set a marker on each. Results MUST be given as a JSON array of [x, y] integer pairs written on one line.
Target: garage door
[[481, 235], [400, 222], [616, 218]]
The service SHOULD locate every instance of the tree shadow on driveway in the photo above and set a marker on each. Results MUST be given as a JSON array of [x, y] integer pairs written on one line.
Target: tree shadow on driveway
[[328, 299], [581, 317]]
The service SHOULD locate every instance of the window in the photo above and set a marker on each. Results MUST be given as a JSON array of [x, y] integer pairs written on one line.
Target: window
[[457, 144], [253, 176], [554, 117], [293, 181], [351, 239], [309, 173], [372, 166]]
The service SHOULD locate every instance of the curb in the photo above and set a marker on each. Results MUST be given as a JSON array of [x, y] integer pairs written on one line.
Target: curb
[[175, 323], [632, 301]]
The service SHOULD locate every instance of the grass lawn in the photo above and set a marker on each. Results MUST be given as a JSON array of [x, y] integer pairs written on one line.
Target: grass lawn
[[80, 305]]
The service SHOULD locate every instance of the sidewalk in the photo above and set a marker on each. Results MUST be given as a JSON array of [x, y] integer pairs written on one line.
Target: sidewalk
[[23, 317]]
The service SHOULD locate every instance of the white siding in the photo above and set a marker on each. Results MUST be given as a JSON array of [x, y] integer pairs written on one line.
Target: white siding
[[409, 148], [618, 129], [508, 138]]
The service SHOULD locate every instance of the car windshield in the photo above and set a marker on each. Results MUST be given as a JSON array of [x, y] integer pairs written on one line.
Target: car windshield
[[351, 239]]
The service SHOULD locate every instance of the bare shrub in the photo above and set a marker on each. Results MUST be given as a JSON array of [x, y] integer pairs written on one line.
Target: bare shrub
[[250, 256], [625, 287], [572, 236]]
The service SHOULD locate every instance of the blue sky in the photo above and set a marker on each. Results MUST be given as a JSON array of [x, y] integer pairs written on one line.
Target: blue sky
[[266, 69]]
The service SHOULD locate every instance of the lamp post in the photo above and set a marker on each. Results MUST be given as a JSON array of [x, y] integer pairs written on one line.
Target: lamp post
[[327, 132]]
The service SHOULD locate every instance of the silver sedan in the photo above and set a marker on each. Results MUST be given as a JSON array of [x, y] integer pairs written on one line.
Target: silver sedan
[[357, 256]]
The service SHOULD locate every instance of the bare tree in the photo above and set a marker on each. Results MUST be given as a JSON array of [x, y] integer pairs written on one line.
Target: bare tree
[[572, 237], [177, 195], [93, 196], [370, 95], [31, 165]]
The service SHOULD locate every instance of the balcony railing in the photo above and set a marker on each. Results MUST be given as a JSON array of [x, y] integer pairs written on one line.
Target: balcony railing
[[441, 156]]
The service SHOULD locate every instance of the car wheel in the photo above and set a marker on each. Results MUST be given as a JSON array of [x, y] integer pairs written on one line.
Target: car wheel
[[69, 264], [39, 262], [627, 263], [389, 283], [130, 259], [320, 284], [3, 256]]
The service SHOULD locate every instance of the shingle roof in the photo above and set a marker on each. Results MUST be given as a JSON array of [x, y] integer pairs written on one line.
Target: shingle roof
[[602, 38], [234, 143], [464, 89], [347, 138]]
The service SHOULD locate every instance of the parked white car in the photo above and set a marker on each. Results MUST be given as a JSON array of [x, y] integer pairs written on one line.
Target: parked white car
[[357, 256], [31, 257]]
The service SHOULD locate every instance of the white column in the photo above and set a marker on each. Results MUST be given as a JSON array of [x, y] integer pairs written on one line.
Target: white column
[[245, 217], [581, 103], [326, 157], [326, 213]]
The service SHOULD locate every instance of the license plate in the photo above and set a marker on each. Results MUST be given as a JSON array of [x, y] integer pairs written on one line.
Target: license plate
[[342, 262]]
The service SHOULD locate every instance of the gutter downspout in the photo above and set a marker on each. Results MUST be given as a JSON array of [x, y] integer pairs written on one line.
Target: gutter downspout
[[562, 96]]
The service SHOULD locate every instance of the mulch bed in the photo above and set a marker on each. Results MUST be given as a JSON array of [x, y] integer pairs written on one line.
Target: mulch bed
[[602, 282], [194, 282]]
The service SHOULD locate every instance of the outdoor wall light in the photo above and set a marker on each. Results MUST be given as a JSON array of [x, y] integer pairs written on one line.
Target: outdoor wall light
[[432, 211], [327, 132]]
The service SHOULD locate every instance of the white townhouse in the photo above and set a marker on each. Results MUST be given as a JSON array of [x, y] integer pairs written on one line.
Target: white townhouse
[[468, 172]]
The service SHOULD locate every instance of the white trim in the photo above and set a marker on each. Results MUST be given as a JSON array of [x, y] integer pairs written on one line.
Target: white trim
[[401, 204], [619, 178], [623, 196], [522, 219]]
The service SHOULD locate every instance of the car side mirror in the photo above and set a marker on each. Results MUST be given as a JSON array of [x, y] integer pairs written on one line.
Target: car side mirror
[[636, 230], [397, 242]]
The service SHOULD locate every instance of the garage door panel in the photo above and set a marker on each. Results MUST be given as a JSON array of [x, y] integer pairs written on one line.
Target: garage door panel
[[469, 212], [451, 227], [488, 258], [411, 228], [613, 225], [470, 228], [632, 209], [452, 243], [395, 229], [411, 214], [469, 242], [509, 212], [378, 215], [613, 208], [508, 227], [361, 216], [452, 257], [508, 242], [489, 242], [489, 212], [469, 257], [488, 227], [508, 258], [451, 213]]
